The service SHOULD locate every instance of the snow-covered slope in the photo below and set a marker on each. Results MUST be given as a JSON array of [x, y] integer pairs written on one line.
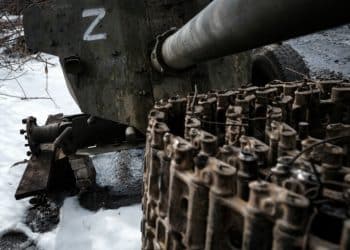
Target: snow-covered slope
[[78, 228]]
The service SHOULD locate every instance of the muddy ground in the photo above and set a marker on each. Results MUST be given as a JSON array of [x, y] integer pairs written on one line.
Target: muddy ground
[[326, 52]]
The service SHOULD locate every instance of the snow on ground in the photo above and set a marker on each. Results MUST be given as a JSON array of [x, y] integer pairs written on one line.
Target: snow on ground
[[78, 228], [326, 51]]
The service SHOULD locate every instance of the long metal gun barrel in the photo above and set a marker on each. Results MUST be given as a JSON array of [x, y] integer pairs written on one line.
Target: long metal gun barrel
[[226, 27]]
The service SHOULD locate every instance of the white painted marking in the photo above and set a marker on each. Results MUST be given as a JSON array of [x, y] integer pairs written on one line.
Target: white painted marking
[[100, 14]]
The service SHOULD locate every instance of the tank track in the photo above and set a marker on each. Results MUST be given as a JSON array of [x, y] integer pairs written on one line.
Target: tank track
[[253, 168]]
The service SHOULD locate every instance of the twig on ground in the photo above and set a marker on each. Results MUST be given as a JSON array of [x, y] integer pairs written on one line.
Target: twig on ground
[[25, 98], [20, 86], [299, 73], [47, 85], [13, 78], [19, 163]]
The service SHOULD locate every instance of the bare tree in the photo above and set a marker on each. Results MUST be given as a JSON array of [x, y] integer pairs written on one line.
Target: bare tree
[[14, 53]]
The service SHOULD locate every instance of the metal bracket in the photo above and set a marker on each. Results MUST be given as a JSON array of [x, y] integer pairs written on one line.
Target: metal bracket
[[156, 55]]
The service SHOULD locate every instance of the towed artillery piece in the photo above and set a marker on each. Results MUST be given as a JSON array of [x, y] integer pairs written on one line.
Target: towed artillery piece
[[238, 167]]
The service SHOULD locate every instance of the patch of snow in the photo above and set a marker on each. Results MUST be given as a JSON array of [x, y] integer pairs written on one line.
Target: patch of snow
[[78, 228], [13, 110], [11, 211], [6, 18], [124, 172], [325, 51], [105, 229]]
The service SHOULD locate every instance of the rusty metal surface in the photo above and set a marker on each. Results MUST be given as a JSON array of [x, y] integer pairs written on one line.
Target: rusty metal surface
[[55, 165], [253, 168], [36, 176], [84, 171], [70, 133]]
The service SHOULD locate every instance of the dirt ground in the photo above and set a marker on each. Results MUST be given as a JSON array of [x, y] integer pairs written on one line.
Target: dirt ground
[[326, 52]]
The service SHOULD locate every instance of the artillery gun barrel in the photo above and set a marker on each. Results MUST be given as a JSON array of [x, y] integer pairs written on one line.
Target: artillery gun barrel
[[226, 27]]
